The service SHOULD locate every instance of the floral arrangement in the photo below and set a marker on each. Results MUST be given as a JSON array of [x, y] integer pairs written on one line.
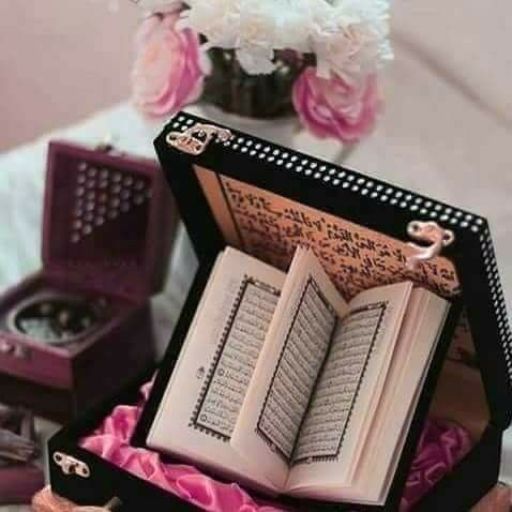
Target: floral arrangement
[[266, 58]]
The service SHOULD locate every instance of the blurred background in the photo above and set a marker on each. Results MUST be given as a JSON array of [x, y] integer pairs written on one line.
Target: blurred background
[[59, 61]]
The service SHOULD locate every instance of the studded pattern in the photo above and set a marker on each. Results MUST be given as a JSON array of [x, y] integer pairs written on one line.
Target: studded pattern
[[423, 208], [102, 195]]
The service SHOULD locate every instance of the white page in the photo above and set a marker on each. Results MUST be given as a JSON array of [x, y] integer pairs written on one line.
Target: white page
[[288, 367], [375, 316], [423, 348], [414, 351], [202, 400]]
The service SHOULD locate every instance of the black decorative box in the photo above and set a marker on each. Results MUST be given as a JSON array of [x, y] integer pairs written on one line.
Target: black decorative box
[[235, 189]]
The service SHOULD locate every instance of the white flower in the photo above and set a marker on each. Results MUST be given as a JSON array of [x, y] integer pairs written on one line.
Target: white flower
[[353, 40], [217, 20], [258, 37], [348, 37]]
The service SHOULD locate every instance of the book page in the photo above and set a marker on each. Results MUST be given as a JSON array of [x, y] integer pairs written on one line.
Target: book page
[[287, 371], [349, 389], [201, 404], [325, 425], [411, 360], [420, 339]]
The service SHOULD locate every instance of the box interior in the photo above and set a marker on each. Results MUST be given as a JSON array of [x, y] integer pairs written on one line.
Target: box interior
[[460, 394], [113, 308], [270, 227]]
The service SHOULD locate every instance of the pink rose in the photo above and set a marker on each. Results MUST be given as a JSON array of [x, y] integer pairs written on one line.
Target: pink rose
[[335, 107], [169, 67]]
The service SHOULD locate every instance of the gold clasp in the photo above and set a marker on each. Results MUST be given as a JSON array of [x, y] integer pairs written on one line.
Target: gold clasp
[[428, 231], [194, 140], [71, 466]]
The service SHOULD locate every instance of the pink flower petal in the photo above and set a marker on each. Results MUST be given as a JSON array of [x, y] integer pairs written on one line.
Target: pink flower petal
[[169, 68], [334, 107]]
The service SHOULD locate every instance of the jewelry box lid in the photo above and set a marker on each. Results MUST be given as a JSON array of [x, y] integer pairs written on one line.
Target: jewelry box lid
[[107, 221], [233, 188]]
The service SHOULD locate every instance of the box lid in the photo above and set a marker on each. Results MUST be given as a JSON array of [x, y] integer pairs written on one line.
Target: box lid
[[107, 220], [233, 188]]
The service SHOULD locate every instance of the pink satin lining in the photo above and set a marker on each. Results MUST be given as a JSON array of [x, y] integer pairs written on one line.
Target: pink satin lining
[[441, 446]]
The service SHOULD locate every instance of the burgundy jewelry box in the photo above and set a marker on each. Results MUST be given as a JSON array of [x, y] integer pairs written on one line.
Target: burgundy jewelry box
[[80, 328], [265, 199]]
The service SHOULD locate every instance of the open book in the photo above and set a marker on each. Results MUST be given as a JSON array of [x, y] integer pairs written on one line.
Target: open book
[[284, 386]]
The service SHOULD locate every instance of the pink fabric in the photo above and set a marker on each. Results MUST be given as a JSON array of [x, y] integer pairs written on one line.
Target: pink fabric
[[441, 446], [111, 441]]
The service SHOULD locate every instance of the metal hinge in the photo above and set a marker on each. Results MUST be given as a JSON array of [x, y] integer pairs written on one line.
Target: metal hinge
[[71, 466], [428, 231], [195, 140]]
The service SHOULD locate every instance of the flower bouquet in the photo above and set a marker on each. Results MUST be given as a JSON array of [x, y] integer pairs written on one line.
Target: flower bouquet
[[266, 59]]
